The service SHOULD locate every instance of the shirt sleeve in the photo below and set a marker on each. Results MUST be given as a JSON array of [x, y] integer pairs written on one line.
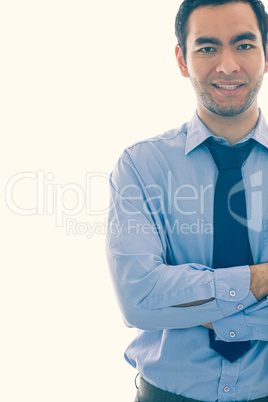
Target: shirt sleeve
[[250, 324], [147, 288]]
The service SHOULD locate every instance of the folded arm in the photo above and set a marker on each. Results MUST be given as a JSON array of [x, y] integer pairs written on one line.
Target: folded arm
[[152, 294]]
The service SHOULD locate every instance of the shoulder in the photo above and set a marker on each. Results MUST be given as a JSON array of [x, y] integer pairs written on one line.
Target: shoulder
[[150, 159], [164, 144]]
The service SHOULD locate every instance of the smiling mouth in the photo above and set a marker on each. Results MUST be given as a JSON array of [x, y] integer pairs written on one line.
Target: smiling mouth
[[228, 87]]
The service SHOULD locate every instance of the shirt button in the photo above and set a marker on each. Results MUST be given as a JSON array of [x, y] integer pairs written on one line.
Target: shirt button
[[226, 389], [240, 307], [232, 293], [232, 334]]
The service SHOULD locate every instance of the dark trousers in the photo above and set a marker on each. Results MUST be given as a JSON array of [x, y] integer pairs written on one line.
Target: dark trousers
[[149, 393]]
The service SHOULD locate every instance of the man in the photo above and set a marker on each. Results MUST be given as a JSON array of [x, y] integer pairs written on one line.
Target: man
[[188, 238]]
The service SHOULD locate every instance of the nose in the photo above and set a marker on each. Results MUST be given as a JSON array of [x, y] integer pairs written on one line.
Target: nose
[[227, 63]]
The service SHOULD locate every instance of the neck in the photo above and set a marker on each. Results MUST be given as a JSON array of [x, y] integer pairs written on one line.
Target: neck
[[233, 129]]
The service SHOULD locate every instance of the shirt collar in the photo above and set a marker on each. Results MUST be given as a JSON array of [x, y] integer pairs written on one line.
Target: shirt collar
[[197, 133], [260, 133]]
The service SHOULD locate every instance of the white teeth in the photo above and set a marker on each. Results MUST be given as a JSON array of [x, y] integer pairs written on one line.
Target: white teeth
[[230, 87]]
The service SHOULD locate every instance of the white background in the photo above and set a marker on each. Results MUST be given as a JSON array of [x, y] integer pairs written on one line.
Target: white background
[[80, 81]]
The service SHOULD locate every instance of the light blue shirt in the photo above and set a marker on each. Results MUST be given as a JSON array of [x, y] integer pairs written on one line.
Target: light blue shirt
[[159, 246]]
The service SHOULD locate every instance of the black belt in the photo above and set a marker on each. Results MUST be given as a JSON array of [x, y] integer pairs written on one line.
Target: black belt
[[152, 394]]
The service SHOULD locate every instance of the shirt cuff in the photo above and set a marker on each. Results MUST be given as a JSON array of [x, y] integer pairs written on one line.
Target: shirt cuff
[[261, 304], [232, 329], [232, 287]]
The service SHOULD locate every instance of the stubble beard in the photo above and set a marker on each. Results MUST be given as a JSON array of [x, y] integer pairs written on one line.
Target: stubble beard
[[226, 110]]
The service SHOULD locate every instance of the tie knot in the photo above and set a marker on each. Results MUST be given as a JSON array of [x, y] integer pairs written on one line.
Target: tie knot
[[229, 157]]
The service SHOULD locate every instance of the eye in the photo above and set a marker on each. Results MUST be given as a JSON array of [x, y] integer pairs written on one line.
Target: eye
[[207, 49], [245, 46]]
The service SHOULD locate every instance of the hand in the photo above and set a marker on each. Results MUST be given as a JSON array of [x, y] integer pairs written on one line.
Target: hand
[[209, 326]]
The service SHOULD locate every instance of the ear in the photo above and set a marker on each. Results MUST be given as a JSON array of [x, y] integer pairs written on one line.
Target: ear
[[181, 62], [266, 61]]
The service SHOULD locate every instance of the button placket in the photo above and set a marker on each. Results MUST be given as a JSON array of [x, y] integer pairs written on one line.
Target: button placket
[[228, 379]]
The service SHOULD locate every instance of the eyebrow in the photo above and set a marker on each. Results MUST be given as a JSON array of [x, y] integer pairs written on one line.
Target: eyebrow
[[207, 39], [243, 36], [202, 40]]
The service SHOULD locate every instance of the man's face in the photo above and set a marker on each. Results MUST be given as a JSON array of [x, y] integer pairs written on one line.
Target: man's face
[[225, 58]]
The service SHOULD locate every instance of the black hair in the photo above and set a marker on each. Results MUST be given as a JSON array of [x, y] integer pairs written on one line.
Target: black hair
[[188, 6]]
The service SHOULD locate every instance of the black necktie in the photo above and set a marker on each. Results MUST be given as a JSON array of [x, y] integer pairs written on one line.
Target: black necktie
[[230, 236]]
